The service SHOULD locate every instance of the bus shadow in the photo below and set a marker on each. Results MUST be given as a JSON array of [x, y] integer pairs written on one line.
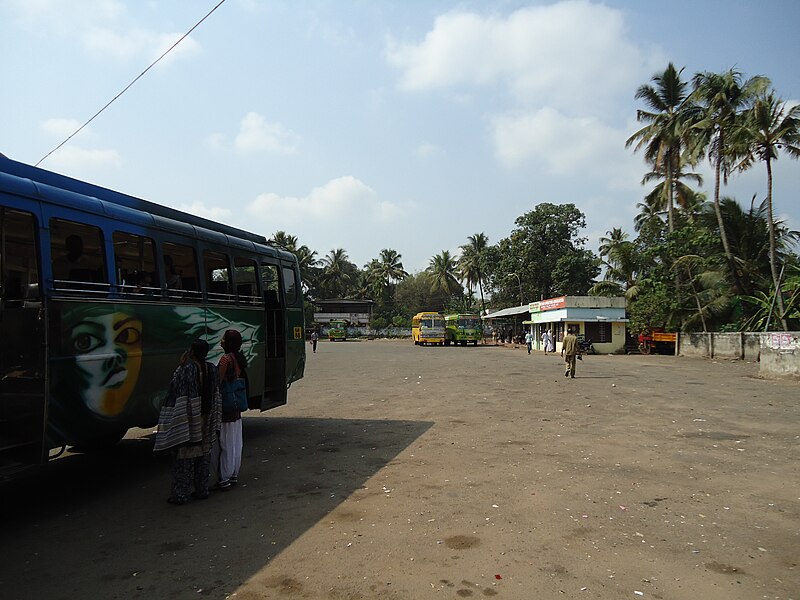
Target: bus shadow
[[105, 516]]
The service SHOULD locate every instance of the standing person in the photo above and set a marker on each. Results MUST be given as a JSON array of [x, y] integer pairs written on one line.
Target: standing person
[[529, 341], [547, 342], [314, 339], [227, 457], [569, 347], [189, 422]]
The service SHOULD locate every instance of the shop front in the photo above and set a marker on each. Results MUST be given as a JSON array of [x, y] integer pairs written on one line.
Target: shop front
[[600, 319]]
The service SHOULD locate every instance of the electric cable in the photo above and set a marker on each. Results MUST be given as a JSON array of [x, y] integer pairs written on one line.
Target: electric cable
[[184, 36]]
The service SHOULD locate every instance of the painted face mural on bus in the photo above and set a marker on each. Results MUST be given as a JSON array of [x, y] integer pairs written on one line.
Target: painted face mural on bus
[[107, 349]]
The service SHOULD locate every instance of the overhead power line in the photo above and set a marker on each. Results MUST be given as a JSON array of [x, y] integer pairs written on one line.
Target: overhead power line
[[125, 89]]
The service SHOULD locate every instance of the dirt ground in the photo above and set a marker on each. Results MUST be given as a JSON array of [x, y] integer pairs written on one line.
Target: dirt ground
[[400, 472]]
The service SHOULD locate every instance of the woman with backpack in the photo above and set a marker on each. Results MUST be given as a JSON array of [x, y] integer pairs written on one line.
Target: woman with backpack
[[232, 370]]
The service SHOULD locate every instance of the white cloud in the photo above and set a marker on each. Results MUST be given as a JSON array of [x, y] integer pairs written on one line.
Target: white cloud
[[256, 134], [65, 17], [214, 213], [573, 53], [426, 150], [564, 146], [74, 158], [61, 128], [342, 200], [106, 43], [102, 28]]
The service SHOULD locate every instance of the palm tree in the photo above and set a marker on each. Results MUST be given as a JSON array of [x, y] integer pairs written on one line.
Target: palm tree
[[442, 274], [682, 195], [666, 133], [622, 264], [769, 126], [307, 262], [391, 267], [723, 96], [337, 272], [469, 265], [281, 239]]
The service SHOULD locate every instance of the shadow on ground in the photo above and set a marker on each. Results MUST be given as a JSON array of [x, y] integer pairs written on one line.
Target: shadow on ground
[[99, 526]]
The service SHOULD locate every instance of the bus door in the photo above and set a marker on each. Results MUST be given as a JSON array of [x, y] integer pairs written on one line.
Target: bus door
[[22, 345], [275, 339]]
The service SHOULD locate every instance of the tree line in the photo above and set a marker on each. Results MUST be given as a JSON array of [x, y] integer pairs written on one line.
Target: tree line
[[694, 264]]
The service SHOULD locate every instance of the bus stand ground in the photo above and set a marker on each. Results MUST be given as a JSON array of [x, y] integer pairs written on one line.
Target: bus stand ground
[[403, 472]]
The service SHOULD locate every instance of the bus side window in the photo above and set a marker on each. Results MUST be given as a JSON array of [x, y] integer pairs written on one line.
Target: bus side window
[[180, 271], [135, 264], [246, 280], [290, 285], [77, 254], [20, 276], [271, 285], [217, 277]]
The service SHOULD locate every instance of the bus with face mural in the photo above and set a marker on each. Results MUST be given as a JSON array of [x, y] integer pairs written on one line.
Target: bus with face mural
[[101, 293]]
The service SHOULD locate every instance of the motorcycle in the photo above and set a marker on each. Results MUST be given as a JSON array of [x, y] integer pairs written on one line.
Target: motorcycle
[[586, 346]]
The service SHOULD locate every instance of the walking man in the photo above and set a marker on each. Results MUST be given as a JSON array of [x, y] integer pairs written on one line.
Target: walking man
[[569, 347], [314, 339], [529, 341]]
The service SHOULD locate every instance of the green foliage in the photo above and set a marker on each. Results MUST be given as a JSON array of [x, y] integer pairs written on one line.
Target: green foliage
[[653, 308], [546, 253]]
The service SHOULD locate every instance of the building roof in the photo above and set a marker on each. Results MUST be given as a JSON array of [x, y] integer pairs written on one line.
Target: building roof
[[508, 312]]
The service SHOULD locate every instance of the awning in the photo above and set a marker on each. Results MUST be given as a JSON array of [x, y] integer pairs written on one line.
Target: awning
[[508, 312], [578, 320]]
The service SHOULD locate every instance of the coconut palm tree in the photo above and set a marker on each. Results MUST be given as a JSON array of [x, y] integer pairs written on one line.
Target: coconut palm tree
[[622, 266], [666, 134], [442, 274], [683, 196], [470, 263], [391, 267], [337, 272], [723, 97], [281, 239], [770, 126]]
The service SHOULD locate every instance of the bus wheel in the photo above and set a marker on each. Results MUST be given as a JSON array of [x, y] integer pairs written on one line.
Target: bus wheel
[[447, 342]]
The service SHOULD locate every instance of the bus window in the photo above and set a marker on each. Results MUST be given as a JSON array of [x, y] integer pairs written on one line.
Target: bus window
[[246, 280], [20, 271], [271, 285], [77, 254], [180, 271], [290, 285], [135, 264], [217, 277]]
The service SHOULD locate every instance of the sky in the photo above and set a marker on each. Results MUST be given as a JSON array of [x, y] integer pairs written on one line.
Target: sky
[[369, 124]]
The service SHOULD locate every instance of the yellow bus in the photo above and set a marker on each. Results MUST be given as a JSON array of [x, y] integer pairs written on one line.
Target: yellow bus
[[428, 328]]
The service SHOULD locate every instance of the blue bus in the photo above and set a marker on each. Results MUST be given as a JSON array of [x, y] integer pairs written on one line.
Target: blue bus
[[101, 293]]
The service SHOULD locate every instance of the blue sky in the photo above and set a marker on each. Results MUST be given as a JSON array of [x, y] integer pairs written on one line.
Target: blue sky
[[366, 125]]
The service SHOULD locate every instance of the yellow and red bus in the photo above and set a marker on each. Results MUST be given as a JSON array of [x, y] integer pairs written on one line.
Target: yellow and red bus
[[428, 328]]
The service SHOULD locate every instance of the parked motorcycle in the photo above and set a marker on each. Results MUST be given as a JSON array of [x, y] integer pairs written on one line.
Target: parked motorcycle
[[586, 346]]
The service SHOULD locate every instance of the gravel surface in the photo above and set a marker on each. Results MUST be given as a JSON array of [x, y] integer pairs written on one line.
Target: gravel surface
[[404, 472]]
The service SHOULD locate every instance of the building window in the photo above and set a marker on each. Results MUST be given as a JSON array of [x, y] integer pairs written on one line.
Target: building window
[[598, 332]]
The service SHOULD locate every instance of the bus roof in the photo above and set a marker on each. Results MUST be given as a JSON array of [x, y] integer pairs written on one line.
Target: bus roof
[[38, 178]]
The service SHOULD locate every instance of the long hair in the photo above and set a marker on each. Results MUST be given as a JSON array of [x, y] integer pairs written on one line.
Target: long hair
[[232, 344]]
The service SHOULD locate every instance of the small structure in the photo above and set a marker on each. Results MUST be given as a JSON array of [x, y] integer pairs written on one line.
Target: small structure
[[499, 323], [357, 313], [600, 319]]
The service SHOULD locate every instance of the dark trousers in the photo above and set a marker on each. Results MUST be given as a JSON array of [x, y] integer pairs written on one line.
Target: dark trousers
[[188, 471]]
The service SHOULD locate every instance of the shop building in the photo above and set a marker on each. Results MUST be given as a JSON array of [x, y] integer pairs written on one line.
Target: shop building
[[597, 318]]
